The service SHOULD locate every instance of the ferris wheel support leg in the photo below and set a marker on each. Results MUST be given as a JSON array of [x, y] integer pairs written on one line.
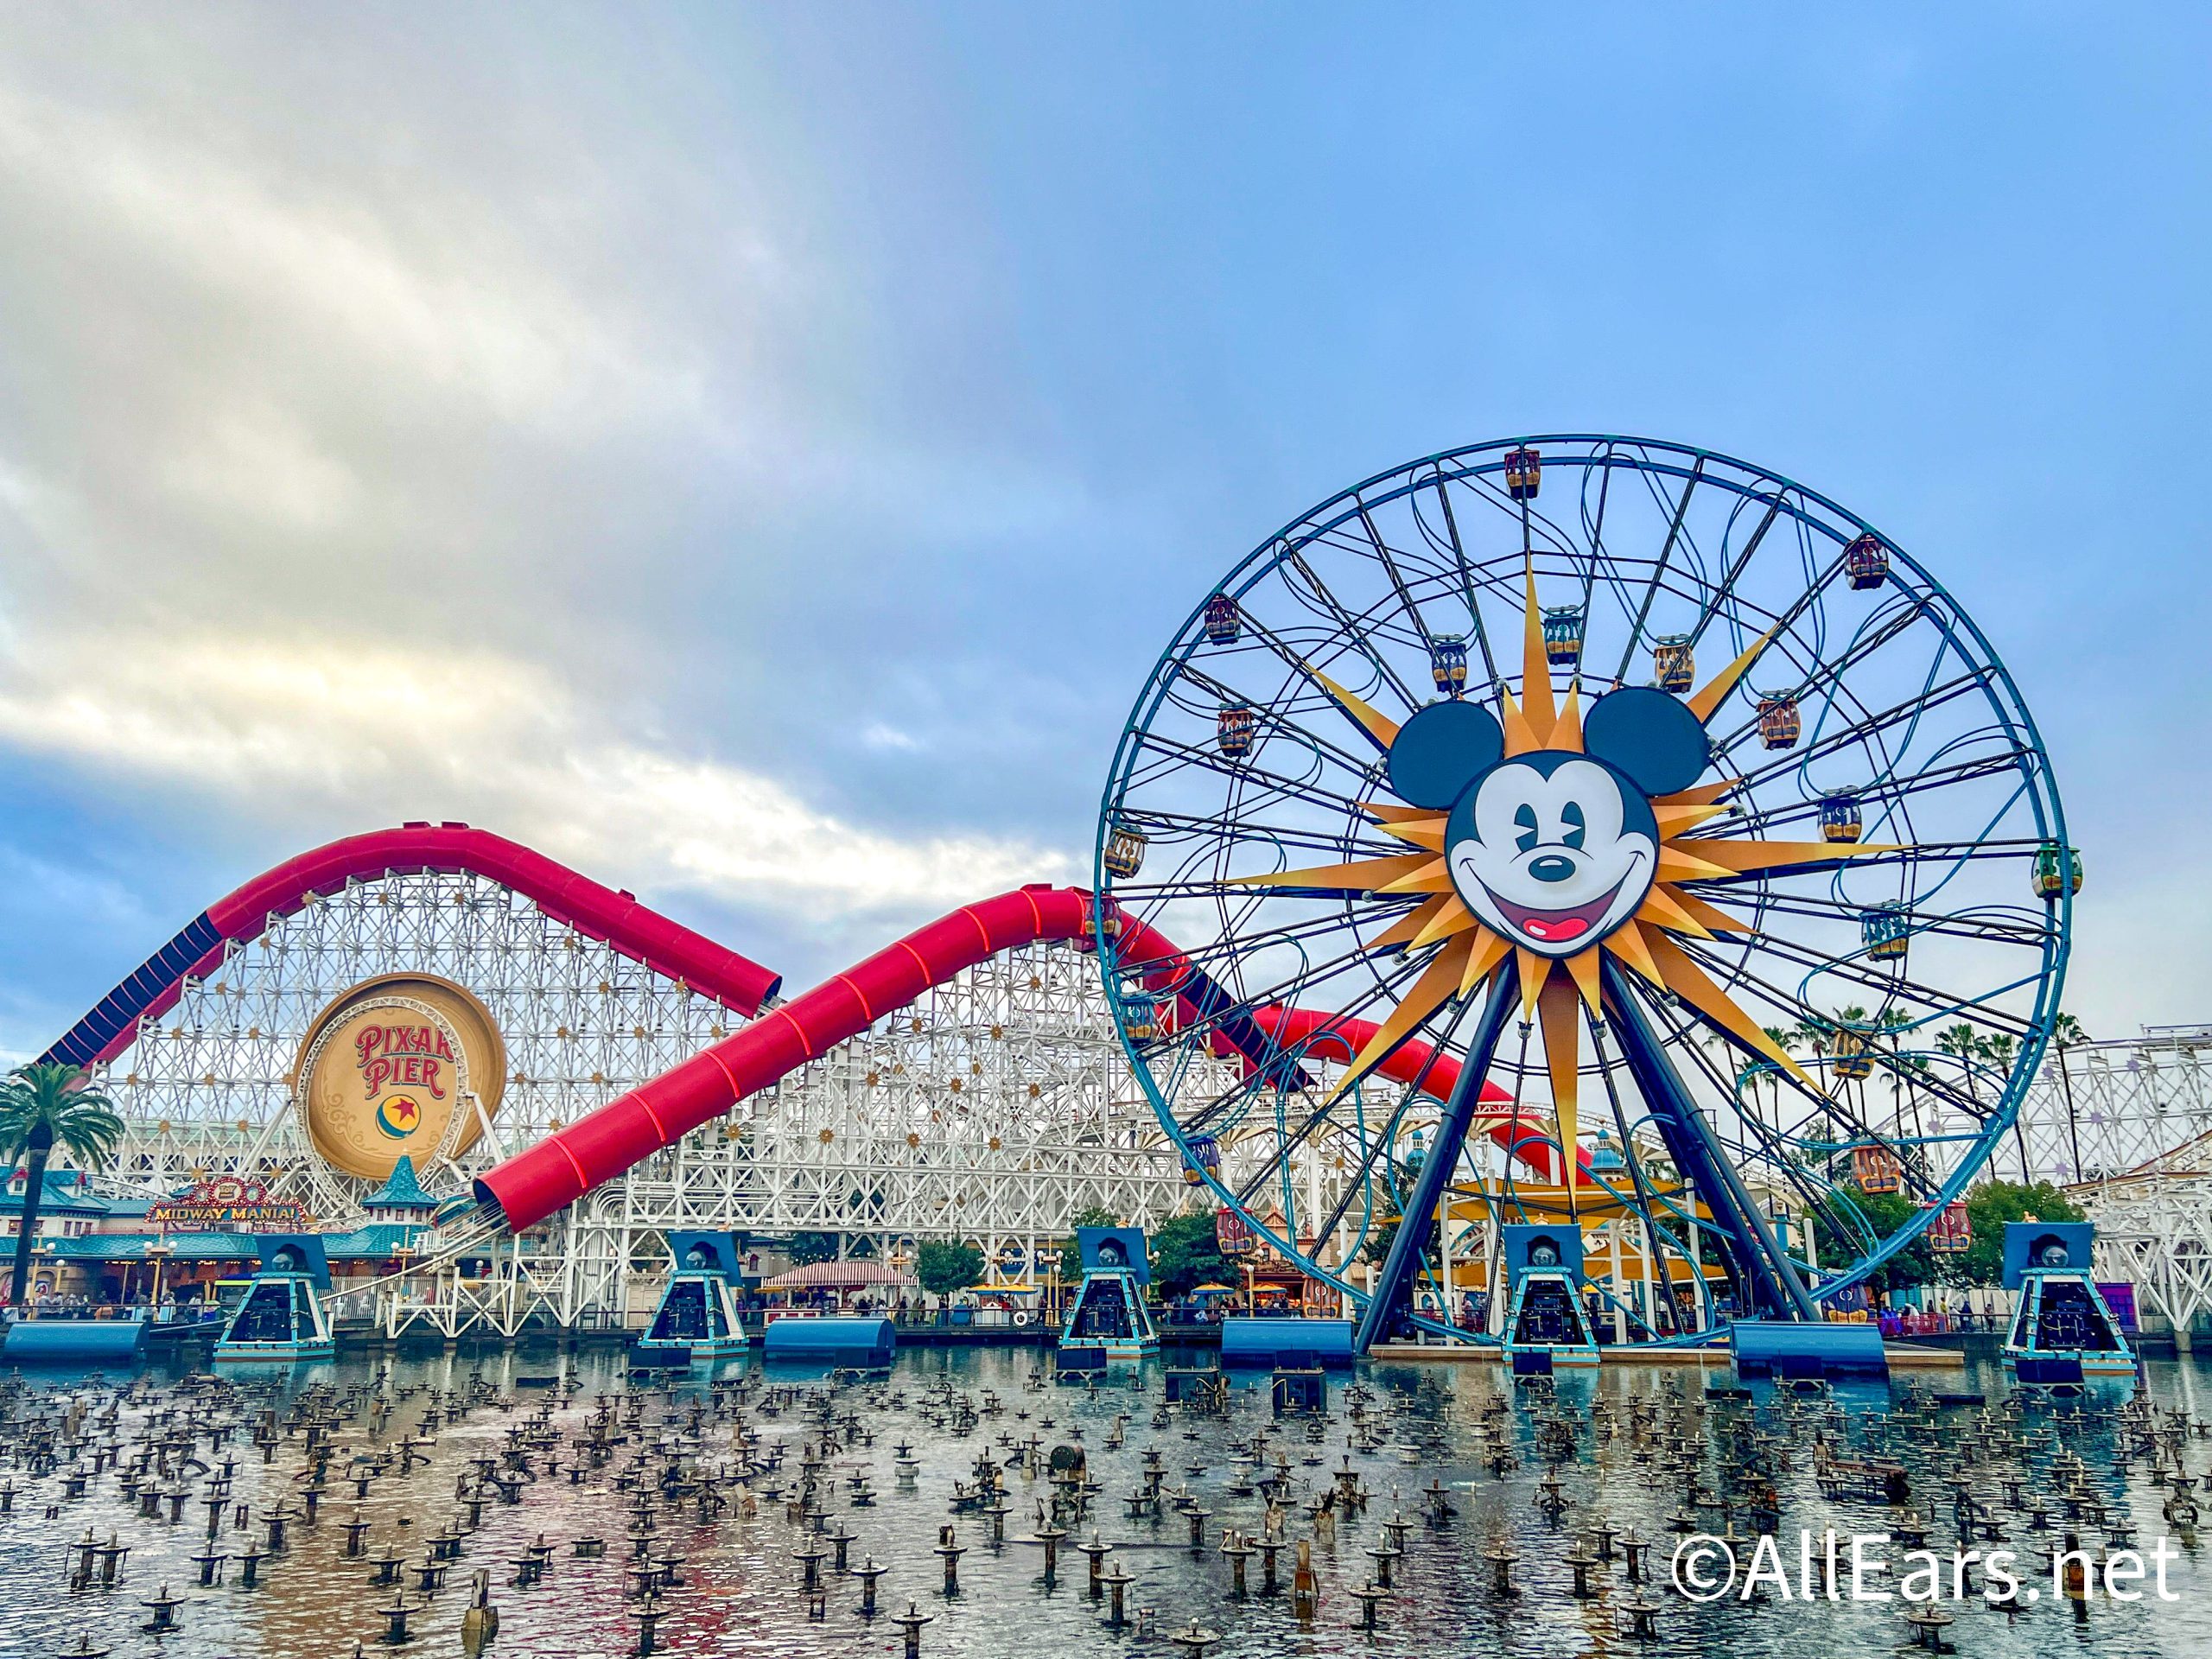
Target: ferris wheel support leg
[[1776, 1290], [1389, 1286]]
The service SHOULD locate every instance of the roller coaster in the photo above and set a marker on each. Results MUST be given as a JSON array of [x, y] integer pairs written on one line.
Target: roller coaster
[[966, 1082]]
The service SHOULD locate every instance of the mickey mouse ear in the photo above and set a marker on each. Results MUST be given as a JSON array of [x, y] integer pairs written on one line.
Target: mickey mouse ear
[[1442, 750], [1650, 735]]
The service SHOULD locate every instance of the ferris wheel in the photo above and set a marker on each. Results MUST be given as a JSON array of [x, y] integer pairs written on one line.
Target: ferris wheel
[[1585, 827]]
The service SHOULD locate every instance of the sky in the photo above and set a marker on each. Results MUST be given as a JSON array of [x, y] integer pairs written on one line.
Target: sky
[[755, 454]]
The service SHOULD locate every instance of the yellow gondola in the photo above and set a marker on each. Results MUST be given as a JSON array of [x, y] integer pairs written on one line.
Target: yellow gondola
[[1840, 818], [1124, 853], [1780, 725], [1563, 636], [1447, 664]]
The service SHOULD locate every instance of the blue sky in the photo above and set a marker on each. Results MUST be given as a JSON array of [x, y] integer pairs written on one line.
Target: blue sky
[[756, 454]]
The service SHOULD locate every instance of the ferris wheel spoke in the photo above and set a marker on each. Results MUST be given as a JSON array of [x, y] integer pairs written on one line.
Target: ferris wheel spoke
[[1764, 1269], [1934, 924], [1443, 1155], [1889, 987], [1413, 1088], [1397, 581], [1244, 771], [1901, 714], [1834, 1106], [1750, 814], [1658, 1238], [1666, 556], [1821, 675], [1353, 632], [1466, 576], [1720, 595], [1285, 996]]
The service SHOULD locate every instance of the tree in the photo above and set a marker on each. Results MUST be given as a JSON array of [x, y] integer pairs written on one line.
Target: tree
[[43, 1106], [1885, 1212], [1185, 1254], [942, 1268], [807, 1248], [1993, 1204]]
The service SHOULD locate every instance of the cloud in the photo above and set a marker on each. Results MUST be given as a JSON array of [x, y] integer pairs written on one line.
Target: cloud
[[880, 734], [336, 735]]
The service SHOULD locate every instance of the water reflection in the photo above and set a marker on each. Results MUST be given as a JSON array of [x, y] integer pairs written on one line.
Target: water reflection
[[1633, 1452]]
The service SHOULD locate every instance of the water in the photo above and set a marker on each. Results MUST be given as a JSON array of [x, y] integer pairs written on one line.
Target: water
[[741, 1592]]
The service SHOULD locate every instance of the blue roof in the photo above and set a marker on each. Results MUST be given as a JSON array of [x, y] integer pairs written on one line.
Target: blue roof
[[62, 1193], [131, 1247], [372, 1243], [401, 1190]]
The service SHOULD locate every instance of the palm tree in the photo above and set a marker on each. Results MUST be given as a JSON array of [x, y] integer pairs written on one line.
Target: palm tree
[[1893, 1023], [1784, 1039], [2000, 1050], [42, 1106], [2066, 1031]]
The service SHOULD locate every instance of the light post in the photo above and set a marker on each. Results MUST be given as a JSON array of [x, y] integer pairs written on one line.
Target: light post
[[902, 1257], [158, 1251], [1050, 1256]]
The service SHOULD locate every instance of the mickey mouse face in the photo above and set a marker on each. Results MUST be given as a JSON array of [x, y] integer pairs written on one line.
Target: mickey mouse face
[[1553, 851]]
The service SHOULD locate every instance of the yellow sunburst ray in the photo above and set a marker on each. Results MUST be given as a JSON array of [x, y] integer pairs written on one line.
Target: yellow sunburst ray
[[1628, 942], [1417, 832], [1704, 703], [1560, 1012], [1361, 875], [1748, 857], [1702, 795], [1677, 865], [1586, 966], [1519, 735], [1378, 725], [1454, 918], [1408, 928], [1661, 908], [1567, 730], [1490, 950], [1432, 877], [1715, 920], [1674, 820], [1390, 812], [1438, 984], [1689, 981], [1533, 971], [1537, 705]]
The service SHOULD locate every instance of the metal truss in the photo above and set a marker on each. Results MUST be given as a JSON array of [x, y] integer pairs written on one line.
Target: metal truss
[[2101, 1110], [994, 1110], [2125, 1127]]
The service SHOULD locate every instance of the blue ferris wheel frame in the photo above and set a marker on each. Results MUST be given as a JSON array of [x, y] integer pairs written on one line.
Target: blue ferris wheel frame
[[1693, 469]]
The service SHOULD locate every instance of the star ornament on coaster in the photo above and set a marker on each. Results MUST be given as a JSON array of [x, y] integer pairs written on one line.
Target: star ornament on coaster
[[1549, 837]]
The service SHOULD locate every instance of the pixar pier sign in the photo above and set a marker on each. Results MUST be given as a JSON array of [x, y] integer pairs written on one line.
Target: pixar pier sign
[[413, 1057], [405, 1064]]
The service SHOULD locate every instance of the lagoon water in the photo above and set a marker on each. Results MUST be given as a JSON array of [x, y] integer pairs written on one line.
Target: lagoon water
[[1620, 1447]]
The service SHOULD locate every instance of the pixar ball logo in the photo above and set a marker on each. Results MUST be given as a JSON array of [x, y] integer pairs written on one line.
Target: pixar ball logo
[[399, 1116], [1553, 849]]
